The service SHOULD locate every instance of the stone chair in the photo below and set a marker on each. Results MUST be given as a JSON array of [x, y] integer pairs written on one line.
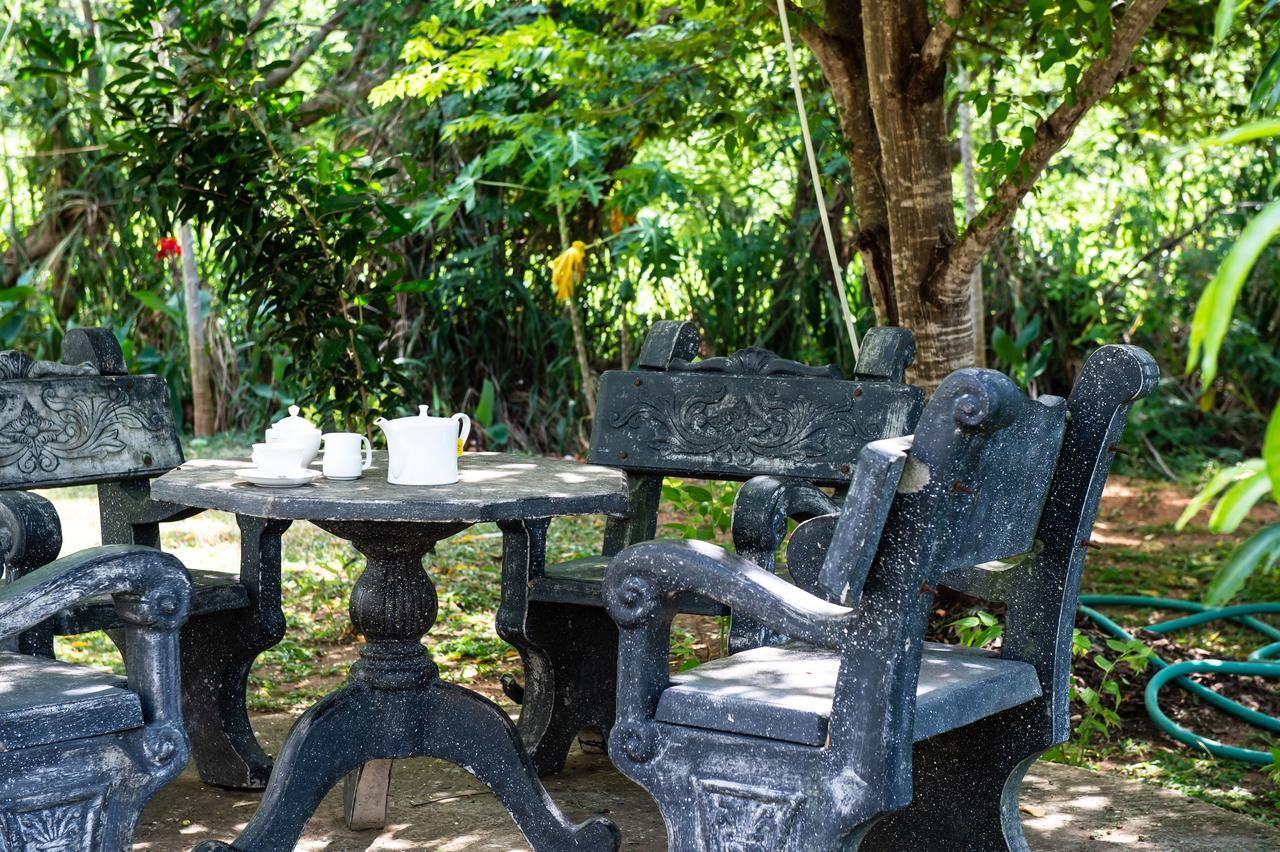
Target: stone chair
[[234, 617], [809, 745], [81, 752], [730, 419]]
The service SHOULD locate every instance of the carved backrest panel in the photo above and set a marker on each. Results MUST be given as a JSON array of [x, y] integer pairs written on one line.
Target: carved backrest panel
[[66, 424], [747, 414]]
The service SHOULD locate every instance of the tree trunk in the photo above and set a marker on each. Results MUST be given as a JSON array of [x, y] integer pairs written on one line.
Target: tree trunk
[[886, 66], [201, 396], [915, 149], [839, 51]]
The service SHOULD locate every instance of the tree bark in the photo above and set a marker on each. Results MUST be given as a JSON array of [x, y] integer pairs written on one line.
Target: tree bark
[[910, 121], [840, 54]]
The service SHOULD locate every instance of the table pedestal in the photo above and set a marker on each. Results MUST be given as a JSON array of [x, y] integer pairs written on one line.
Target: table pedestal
[[395, 706]]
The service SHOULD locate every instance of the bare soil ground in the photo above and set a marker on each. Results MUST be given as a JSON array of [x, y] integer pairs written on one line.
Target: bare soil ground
[[437, 806]]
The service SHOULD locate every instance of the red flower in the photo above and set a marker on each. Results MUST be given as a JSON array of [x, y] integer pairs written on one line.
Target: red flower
[[168, 247]]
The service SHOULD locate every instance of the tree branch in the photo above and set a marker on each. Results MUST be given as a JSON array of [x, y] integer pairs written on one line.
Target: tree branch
[[937, 45], [332, 100], [280, 76], [264, 9], [358, 55], [1051, 135]]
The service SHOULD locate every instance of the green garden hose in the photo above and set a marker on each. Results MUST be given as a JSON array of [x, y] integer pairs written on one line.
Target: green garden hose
[[1260, 663]]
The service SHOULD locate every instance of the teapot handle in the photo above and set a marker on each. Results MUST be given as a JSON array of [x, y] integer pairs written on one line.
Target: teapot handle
[[464, 431]]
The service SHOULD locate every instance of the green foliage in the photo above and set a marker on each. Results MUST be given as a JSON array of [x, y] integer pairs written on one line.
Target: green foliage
[[384, 220], [485, 416], [1015, 351], [1099, 705], [978, 630], [702, 510], [1260, 550], [1243, 486], [1213, 313], [301, 233]]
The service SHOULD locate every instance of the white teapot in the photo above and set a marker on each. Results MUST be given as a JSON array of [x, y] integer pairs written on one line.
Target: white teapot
[[424, 450], [296, 429]]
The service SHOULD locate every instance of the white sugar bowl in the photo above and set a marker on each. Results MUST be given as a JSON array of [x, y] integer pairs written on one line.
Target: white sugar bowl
[[296, 429]]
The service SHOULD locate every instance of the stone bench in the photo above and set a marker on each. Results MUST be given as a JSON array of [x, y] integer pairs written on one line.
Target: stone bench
[[234, 617], [727, 419], [853, 730], [81, 752]]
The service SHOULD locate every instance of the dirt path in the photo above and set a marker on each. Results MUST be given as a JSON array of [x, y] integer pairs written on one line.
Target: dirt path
[[437, 806]]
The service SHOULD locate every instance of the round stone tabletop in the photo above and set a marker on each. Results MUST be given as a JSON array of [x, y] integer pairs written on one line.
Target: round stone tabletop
[[490, 487]]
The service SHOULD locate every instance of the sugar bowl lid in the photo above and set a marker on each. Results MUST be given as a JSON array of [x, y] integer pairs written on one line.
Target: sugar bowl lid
[[294, 424]]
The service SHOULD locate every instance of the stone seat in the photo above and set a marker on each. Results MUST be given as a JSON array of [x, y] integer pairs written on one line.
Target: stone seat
[[580, 581], [212, 591], [43, 701], [785, 693]]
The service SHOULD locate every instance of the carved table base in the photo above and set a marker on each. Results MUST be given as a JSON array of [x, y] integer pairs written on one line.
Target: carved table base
[[395, 706]]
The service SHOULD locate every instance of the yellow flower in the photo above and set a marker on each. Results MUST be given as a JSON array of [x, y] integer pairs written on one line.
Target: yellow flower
[[568, 268]]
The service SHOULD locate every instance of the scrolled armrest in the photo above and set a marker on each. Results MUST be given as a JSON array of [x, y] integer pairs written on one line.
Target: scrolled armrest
[[762, 508], [151, 588], [644, 581]]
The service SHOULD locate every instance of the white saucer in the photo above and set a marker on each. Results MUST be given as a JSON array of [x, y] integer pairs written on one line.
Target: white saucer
[[269, 480]]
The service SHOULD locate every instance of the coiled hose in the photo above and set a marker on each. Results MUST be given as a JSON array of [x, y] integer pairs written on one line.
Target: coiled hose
[[1260, 663]]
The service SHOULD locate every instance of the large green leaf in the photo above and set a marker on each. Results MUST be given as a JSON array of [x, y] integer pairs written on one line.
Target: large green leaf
[[1271, 452], [1214, 486], [1227, 11], [1237, 502], [1261, 548], [484, 408], [1262, 129], [1213, 311]]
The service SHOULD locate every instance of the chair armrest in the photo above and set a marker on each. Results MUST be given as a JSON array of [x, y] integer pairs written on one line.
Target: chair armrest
[[151, 589], [648, 578], [152, 593], [762, 508]]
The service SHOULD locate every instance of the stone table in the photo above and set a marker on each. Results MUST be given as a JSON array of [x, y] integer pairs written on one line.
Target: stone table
[[394, 705]]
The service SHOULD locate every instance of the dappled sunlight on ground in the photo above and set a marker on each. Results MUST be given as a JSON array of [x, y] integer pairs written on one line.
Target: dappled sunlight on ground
[[437, 806], [1140, 554]]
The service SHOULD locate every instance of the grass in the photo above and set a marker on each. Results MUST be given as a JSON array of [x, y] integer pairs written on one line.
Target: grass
[[1141, 555]]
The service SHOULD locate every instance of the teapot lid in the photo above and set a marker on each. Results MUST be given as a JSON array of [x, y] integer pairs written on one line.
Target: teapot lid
[[294, 423], [423, 410]]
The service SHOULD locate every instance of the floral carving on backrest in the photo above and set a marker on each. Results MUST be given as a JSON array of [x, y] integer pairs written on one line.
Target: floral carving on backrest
[[745, 427], [736, 817], [67, 423]]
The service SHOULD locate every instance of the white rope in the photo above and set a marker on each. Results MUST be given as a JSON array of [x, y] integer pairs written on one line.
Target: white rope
[[817, 179]]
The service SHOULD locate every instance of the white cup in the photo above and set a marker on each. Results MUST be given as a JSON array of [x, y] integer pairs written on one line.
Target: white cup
[[279, 458], [342, 456]]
